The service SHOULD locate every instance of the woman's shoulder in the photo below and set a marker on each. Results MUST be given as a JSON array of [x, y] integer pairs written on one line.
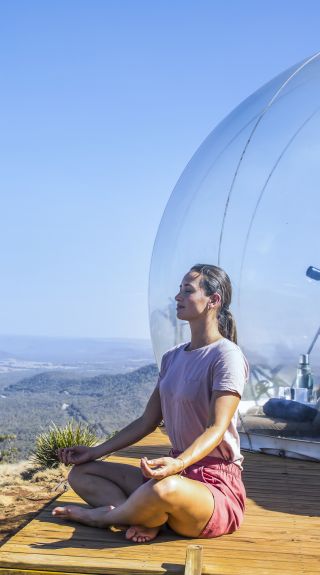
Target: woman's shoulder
[[228, 345], [228, 350], [173, 351], [230, 368], [170, 355]]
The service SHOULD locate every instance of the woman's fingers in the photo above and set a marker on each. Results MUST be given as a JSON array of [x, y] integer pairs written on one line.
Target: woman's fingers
[[60, 453], [147, 472], [148, 464], [165, 466], [156, 462], [74, 455], [64, 455]]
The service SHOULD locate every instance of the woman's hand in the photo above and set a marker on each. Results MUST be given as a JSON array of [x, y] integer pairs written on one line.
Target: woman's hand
[[161, 467], [76, 455]]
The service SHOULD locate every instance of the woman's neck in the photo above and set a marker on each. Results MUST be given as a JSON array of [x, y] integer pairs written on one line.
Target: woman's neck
[[202, 335]]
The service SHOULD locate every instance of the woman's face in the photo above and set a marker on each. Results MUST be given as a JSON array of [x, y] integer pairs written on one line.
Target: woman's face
[[192, 302]]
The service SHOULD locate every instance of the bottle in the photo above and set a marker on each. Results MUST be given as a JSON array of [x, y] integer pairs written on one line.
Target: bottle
[[304, 377]]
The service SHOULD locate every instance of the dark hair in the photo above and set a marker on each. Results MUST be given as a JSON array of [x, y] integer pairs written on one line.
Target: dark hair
[[216, 280]]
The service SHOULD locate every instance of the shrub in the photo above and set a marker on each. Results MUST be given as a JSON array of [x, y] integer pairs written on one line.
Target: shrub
[[5, 436], [7, 454], [45, 452]]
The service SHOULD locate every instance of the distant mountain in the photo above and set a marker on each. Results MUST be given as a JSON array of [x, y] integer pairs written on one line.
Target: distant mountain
[[61, 381], [77, 350], [5, 355]]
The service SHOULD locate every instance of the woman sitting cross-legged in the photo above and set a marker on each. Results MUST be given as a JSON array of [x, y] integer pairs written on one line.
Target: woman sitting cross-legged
[[198, 490]]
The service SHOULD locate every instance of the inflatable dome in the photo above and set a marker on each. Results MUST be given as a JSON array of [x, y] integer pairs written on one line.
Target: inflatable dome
[[249, 201]]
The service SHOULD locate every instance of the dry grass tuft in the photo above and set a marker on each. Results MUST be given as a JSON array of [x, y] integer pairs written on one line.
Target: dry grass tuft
[[25, 471], [44, 475], [50, 477], [6, 500], [10, 473]]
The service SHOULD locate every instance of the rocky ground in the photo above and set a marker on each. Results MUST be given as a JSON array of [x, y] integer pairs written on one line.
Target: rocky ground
[[24, 490]]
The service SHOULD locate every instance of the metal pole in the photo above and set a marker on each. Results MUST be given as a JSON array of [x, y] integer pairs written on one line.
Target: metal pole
[[314, 341]]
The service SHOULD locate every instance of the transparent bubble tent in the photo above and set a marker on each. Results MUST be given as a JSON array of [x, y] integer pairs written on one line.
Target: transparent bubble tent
[[249, 201]]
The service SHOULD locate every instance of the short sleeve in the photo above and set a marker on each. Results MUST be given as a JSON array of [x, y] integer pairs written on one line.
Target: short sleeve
[[230, 371], [163, 367]]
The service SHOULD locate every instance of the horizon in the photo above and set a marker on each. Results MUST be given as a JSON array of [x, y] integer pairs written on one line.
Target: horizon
[[29, 335]]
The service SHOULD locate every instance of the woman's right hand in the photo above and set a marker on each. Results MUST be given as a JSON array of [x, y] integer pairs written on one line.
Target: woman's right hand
[[77, 454]]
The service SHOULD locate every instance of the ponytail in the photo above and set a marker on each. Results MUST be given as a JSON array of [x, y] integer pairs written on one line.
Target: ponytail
[[227, 325]]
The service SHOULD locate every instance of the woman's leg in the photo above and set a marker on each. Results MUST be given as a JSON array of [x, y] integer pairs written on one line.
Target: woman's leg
[[185, 504], [102, 483]]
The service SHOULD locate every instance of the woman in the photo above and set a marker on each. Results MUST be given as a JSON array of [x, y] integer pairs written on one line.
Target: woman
[[198, 490]]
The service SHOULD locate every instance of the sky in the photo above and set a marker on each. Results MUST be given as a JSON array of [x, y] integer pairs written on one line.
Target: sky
[[103, 103]]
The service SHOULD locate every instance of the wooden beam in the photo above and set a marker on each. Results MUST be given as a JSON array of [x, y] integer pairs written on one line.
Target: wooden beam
[[193, 560]]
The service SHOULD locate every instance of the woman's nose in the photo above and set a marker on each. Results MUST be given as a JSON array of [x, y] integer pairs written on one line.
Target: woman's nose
[[178, 296]]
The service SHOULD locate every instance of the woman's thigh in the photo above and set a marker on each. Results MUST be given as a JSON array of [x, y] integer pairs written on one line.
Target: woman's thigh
[[127, 477], [190, 506]]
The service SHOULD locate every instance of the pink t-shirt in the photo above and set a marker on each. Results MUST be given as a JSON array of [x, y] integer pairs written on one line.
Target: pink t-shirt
[[186, 381]]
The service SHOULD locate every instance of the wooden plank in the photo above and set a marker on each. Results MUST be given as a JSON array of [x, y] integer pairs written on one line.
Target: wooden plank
[[243, 554], [102, 566], [280, 531], [99, 541]]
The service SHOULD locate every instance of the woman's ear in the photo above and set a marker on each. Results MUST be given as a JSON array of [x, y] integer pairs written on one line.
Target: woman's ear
[[215, 301]]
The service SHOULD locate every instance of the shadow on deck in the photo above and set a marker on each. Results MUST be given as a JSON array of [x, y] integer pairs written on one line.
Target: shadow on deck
[[280, 535]]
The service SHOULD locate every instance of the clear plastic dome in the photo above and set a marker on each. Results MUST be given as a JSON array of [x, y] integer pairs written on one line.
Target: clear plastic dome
[[249, 201]]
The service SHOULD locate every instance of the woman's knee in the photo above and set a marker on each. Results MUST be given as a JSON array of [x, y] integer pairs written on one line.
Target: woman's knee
[[76, 473], [166, 489]]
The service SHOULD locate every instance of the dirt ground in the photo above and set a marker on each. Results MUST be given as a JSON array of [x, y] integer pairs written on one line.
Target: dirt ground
[[24, 490]]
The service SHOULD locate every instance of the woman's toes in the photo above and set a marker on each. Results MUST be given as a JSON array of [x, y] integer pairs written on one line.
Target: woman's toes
[[72, 513], [140, 534], [130, 533], [60, 511]]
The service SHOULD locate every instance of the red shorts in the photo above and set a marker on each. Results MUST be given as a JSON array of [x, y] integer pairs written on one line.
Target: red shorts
[[224, 481]]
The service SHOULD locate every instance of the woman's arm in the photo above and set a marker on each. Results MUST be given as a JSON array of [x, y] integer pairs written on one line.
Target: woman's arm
[[222, 408]]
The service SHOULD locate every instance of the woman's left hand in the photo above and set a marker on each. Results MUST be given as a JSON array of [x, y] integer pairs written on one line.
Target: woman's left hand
[[161, 467]]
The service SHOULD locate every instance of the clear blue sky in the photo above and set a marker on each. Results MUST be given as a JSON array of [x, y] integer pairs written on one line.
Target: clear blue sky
[[103, 102]]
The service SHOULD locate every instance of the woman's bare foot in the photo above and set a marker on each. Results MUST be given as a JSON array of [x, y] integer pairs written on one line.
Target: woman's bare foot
[[97, 518], [141, 534], [92, 517]]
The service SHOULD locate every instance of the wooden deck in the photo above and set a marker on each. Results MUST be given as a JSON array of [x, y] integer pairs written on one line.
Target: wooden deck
[[280, 535]]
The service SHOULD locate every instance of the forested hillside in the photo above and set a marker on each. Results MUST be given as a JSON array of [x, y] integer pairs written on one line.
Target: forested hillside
[[107, 402]]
